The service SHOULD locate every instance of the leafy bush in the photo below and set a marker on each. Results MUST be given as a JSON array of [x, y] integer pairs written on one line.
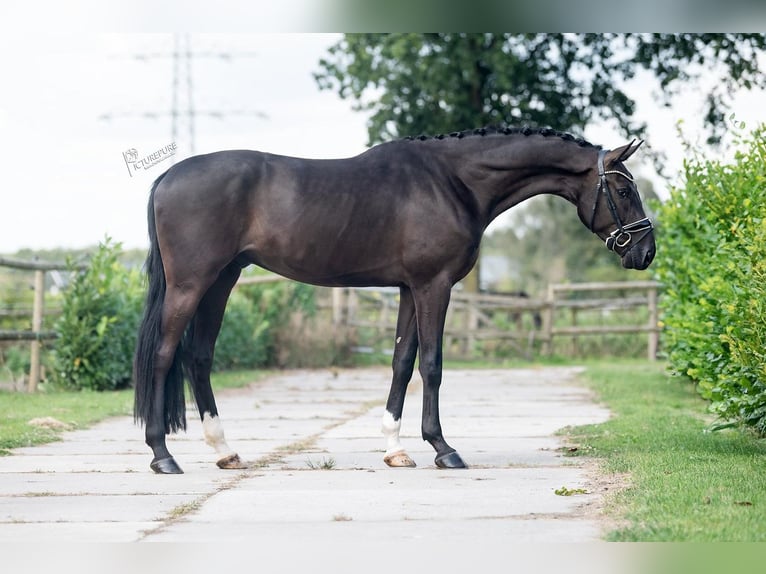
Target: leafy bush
[[101, 309], [243, 340], [712, 260], [257, 324]]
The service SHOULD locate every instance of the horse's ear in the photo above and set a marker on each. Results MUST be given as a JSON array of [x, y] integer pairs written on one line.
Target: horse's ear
[[621, 154]]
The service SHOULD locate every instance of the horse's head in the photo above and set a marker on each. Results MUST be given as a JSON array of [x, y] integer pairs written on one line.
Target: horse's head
[[611, 208]]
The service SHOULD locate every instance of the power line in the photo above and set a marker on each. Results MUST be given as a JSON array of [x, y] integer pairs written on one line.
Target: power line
[[182, 109]]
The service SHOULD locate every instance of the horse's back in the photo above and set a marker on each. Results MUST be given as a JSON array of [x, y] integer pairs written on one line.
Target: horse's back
[[363, 220]]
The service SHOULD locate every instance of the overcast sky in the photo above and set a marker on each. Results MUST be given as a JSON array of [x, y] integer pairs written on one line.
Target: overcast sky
[[65, 183]]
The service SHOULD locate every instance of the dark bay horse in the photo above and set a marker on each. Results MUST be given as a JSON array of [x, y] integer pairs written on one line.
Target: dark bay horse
[[408, 213]]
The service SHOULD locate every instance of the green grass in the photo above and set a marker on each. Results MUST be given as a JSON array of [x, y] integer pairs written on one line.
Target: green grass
[[72, 408], [77, 409], [324, 464], [685, 483]]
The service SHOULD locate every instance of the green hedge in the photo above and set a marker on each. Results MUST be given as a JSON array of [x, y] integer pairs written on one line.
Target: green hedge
[[712, 261]]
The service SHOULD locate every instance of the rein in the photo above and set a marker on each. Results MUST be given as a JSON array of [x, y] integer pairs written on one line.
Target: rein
[[623, 235]]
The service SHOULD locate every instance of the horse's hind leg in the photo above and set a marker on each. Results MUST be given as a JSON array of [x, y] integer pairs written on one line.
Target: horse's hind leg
[[405, 350], [167, 413], [198, 360]]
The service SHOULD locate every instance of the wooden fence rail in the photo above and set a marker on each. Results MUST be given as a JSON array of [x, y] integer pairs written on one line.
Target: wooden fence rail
[[555, 302], [526, 321], [36, 334]]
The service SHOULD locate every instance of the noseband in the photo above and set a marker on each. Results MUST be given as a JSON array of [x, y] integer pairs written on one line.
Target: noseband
[[623, 235]]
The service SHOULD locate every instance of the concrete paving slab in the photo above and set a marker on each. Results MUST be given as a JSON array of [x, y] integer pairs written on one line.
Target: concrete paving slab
[[68, 532], [90, 508], [461, 537], [95, 485], [368, 452], [204, 480], [307, 496]]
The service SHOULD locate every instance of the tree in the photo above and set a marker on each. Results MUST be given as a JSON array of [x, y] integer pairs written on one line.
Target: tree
[[439, 83]]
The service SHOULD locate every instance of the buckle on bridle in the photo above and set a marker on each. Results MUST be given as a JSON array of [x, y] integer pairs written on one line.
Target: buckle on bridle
[[620, 240], [622, 236]]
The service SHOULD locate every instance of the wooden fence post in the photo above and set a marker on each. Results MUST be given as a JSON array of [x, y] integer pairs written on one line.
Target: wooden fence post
[[383, 317], [575, 341], [338, 295], [548, 319], [37, 323], [654, 334], [472, 319], [352, 304]]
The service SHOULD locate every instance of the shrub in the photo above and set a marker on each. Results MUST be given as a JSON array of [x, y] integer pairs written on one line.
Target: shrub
[[243, 340], [712, 260], [257, 324], [101, 309]]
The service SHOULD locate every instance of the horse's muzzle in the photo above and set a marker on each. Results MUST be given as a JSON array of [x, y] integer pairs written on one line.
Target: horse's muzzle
[[640, 256]]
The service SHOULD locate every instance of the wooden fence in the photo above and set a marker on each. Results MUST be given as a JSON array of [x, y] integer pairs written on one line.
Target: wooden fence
[[648, 297], [527, 325], [35, 335]]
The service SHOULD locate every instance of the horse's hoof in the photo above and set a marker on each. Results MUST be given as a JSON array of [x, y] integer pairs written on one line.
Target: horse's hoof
[[166, 466], [231, 462], [450, 460], [399, 460]]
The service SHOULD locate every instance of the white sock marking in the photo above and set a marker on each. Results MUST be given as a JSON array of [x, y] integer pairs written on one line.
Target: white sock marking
[[213, 431], [391, 432]]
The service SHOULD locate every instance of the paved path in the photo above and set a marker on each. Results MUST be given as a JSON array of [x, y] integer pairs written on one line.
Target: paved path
[[96, 485]]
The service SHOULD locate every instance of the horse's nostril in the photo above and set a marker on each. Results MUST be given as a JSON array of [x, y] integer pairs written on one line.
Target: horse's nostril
[[649, 257]]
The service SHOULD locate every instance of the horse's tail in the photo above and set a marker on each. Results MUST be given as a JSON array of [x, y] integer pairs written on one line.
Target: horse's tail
[[149, 336]]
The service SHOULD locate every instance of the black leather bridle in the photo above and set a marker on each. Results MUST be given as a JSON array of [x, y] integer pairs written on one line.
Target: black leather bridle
[[624, 234]]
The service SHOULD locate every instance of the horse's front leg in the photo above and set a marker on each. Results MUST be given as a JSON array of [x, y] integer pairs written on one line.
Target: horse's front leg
[[431, 303], [405, 351]]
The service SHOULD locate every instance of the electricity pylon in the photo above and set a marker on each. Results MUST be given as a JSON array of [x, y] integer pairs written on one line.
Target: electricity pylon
[[182, 108]]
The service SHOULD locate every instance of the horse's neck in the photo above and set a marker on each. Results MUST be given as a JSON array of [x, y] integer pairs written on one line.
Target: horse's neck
[[503, 172]]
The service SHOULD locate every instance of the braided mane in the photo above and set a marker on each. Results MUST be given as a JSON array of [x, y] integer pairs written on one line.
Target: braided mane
[[507, 131]]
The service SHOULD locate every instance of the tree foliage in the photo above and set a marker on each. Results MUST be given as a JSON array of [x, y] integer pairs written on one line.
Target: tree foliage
[[438, 83]]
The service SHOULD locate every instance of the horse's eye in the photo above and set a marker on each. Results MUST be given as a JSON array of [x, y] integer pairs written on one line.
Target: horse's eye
[[623, 191]]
